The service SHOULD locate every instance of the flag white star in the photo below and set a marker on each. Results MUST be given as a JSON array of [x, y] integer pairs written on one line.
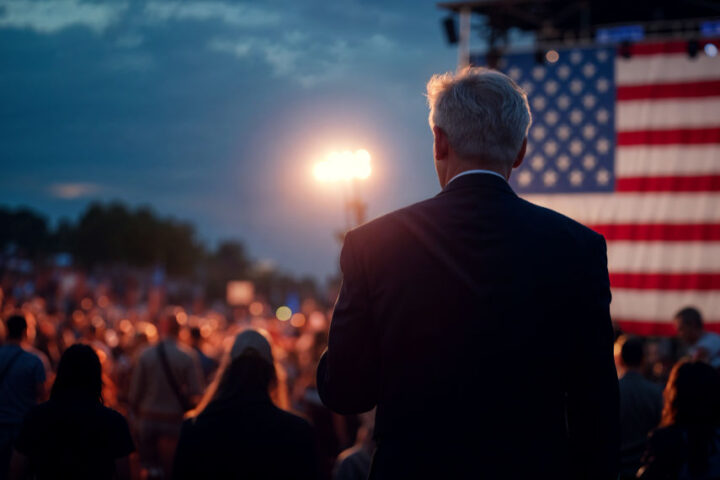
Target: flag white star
[[603, 145], [576, 57], [576, 147], [602, 116], [551, 117], [576, 178], [589, 131], [589, 161], [602, 176], [563, 102], [550, 148], [539, 102], [524, 178], [576, 86], [550, 178], [563, 162], [514, 73], [538, 73], [576, 116], [538, 132], [602, 55], [537, 163], [528, 87], [589, 70], [563, 72], [551, 87], [603, 84], [589, 101], [563, 132]]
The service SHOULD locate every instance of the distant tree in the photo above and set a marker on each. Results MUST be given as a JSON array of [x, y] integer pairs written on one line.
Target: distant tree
[[24, 229]]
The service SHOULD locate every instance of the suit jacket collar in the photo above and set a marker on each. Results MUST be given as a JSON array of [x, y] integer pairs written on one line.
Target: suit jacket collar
[[479, 181]]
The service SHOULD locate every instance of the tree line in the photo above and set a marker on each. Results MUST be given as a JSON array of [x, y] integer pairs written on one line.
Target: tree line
[[112, 234]]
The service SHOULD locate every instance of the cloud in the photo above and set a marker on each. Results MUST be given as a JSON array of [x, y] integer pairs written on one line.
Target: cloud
[[54, 16], [235, 14], [71, 191]]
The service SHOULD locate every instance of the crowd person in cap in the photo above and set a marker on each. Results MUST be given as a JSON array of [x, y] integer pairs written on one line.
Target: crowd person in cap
[[477, 322], [22, 378], [641, 406], [237, 432], [687, 446], [701, 345], [166, 383], [73, 435]]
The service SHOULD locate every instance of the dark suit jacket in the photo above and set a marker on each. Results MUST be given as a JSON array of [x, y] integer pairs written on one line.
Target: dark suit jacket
[[479, 325]]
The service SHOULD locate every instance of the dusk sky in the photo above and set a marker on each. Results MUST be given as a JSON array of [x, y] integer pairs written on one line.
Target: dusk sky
[[214, 112]]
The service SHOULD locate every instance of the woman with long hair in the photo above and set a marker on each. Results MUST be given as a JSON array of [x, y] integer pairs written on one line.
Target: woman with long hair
[[73, 435], [687, 444], [237, 431]]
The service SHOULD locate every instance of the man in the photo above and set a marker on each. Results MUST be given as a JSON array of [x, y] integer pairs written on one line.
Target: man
[[641, 406], [165, 384], [22, 376], [701, 345], [476, 322]]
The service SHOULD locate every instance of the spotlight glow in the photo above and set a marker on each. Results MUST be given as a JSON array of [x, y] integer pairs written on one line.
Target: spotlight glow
[[344, 165]]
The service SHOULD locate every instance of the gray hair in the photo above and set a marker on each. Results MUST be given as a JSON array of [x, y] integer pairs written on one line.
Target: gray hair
[[484, 113]]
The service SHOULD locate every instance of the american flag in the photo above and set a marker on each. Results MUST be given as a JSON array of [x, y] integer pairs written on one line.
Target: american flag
[[629, 144]]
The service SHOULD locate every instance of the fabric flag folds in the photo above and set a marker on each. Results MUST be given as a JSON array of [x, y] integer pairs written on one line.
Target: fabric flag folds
[[629, 144]]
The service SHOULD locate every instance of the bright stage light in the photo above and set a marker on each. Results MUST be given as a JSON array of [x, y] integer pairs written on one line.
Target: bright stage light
[[344, 165]]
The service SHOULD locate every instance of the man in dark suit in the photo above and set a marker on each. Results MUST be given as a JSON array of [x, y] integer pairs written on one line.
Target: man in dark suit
[[476, 322]]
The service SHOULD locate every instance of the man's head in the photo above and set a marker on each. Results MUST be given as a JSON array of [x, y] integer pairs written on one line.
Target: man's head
[[689, 325], [480, 119], [16, 327], [169, 326], [632, 353]]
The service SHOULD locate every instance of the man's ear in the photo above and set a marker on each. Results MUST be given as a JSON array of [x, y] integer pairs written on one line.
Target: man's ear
[[441, 147], [521, 154]]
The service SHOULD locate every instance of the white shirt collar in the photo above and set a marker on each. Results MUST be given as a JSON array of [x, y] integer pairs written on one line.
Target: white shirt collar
[[472, 172]]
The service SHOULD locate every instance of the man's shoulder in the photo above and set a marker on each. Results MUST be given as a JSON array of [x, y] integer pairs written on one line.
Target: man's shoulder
[[557, 220], [393, 219]]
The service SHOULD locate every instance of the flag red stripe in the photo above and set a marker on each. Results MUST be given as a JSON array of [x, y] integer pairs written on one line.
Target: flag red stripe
[[700, 183], [659, 231], [666, 281], [683, 136], [657, 91], [659, 48], [662, 329]]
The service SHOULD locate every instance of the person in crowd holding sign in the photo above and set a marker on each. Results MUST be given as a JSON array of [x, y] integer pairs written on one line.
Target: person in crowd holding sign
[[166, 383]]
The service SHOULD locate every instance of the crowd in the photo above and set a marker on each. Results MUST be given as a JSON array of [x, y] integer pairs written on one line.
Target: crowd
[[98, 381]]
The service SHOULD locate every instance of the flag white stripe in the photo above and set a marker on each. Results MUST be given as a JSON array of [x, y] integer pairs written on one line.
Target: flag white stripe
[[656, 306], [607, 208], [671, 68], [659, 114], [647, 161], [666, 257]]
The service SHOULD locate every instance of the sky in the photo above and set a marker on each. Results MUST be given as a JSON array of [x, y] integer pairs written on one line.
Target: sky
[[214, 112]]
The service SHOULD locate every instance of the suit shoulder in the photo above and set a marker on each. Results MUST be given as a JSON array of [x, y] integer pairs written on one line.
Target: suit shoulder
[[391, 219], [558, 220]]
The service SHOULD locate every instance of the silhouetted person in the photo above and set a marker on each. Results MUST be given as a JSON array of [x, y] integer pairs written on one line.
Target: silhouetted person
[[640, 406], [354, 462], [73, 435], [687, 446], [237, 432], [443, 320], [166, 383], [208, 365], [701, 345], [22, 376]]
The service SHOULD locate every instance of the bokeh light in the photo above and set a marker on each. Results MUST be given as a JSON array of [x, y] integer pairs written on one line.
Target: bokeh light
[[711, 50], [283, 313], [552, 56], [297, 320]]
